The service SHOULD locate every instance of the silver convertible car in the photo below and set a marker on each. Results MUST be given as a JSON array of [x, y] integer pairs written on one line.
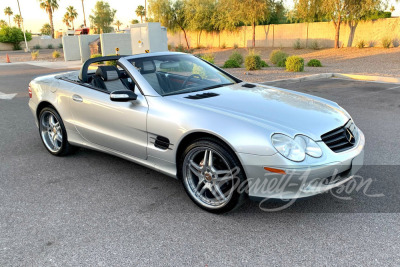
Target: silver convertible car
[[225, 139]]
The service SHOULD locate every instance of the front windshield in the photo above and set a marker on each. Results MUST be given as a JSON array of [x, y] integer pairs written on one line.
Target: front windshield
[[178, 74]]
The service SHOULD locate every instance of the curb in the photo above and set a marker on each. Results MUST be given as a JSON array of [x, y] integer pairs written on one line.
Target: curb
[[367, 78]]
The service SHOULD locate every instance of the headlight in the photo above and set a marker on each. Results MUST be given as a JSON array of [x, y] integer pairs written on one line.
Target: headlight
[[297, 148]]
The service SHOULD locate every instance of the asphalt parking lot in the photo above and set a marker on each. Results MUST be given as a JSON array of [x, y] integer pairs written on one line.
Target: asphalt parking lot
[[94, 209]]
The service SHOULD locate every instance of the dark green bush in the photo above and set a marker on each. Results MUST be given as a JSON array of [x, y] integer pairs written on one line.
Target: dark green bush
[[264, 64], [60, 45], [37, 47], [361, 44], [111, 62], [50, 46], [282, 63], [231, 63], [13, 35], [295, 64], [276, 56], [314, 63], [238, 57]]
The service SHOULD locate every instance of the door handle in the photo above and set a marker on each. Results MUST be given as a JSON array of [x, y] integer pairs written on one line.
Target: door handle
[[77, 98]]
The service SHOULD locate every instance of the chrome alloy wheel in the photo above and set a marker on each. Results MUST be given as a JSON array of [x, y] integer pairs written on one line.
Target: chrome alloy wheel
[[51, 131], [208, 177]]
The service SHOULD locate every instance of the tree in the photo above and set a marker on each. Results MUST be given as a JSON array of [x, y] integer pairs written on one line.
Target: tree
[[72, 14], [338, 11], [199, 14], [134, 21], [140, 12], [46, 29], [49, 6], [118, 24], [84, 16], [250, 12], [170, 14], [66, 20], [3, 23], [18, 20], [103, 17], [8, 12], [13, 35]]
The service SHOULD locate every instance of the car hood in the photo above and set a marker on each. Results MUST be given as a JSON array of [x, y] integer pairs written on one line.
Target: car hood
[[283, 110]]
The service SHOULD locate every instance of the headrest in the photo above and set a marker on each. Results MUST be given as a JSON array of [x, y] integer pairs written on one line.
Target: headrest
[[108, 73], [147, 67]]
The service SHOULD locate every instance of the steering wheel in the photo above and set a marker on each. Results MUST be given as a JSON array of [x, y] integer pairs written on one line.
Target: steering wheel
[[188, 79]]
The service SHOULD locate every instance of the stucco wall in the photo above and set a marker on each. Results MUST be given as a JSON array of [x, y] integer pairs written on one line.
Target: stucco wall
[[110, 41], [84, 41], [43, 43], [71, 48], [284, 35]]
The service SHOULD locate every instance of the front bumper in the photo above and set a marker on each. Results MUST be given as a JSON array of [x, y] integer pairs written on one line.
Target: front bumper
[[308, 178]]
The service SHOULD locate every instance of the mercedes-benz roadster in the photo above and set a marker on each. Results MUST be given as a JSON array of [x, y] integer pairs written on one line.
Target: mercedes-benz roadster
[[225, 139]]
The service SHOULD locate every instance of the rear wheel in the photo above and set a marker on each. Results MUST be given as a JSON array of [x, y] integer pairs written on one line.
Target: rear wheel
[[52, 132], [212, 175]]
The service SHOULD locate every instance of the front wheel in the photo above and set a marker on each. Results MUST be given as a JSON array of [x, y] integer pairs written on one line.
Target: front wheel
[[212, 176], [52, 132]]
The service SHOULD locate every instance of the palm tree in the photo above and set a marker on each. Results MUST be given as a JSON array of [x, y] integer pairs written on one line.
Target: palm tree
[[18, 20], [3, 23], [140, 12], [49, 6], [72, 15], [8, 12], [66, 20], [118, 24], [84, 17]]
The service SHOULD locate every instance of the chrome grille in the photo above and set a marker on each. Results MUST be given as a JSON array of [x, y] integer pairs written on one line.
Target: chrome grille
[[342, 138]]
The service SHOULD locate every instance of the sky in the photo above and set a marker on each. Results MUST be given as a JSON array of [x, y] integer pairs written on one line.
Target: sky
[[34, 17]]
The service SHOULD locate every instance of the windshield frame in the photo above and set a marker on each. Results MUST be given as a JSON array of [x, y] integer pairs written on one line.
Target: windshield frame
[[131, 60]]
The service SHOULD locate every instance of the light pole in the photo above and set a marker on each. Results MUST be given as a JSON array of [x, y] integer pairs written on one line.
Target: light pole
[[23, 29]]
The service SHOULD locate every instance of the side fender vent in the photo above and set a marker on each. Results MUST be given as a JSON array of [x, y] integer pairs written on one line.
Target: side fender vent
[[249, 85], [201, 96], [161, 142]]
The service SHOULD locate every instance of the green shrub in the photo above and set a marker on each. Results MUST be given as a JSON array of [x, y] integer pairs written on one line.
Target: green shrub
[[97, 55], [314, 63], [208, 57], [37, 47], [371, 43], [50, 46], [276, 56], [14, 36], [253, 61], [282, 63], [237, 56], [315, 45], [297, 44], [56, 54], [34, 54], [295, 64], [231, 63], [264, 64], [361, 44], [386, 42], [236, 46], [60, 45], [223, 46], [396, 42], [111, 62]]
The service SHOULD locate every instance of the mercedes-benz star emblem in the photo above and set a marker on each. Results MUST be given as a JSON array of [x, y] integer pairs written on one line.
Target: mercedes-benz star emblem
[[350, 137]]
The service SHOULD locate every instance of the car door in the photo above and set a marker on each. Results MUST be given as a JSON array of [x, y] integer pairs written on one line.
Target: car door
[[120, 126]]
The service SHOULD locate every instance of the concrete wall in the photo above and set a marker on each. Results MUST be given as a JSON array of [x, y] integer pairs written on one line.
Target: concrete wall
[[43, 43], [71, 48], [284, 35], [84, 41], [110, 41]]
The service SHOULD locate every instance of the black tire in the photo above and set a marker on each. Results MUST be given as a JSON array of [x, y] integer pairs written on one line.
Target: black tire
[[64, 147], [222, 156]]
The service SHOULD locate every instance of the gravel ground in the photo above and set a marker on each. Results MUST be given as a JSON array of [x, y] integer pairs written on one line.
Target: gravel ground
[[367, 61], [21, 56]]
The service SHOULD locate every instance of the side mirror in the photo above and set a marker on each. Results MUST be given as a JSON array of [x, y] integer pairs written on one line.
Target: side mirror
[[122, 96]]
